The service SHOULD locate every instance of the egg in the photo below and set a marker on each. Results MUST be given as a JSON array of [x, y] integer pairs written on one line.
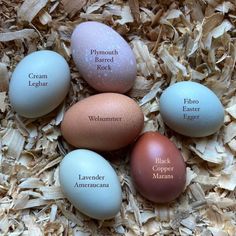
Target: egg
[[105, 122], [39, 83], [191, 109], [103, 58], [157, 168], [90, 183]]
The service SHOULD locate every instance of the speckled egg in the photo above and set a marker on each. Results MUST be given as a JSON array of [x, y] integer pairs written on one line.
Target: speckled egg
[[105, 122], [191, 109], [103, 58]]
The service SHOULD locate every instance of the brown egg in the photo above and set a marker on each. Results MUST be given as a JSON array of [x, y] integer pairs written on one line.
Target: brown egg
[[104, 122], [157, 168]]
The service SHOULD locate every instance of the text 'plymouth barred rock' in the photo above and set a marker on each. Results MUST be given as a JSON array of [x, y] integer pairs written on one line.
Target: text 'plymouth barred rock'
[[103, 58]]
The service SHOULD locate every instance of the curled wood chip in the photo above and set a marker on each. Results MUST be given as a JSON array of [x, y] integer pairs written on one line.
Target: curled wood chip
[[126, 16], [53, 212], [228, 177], [152, 94], [51, 192], [73, 6], [220, 202], [208, 150], [134, 6], [4, 77], [146, 61], [232, 145], [29, 9], [2, 101], [32, 226], [97, 5], [14, 142], [69, 214], [45, 18], [230, 132], [21, 34], [189, 176], [189, 222], [232, 111], [174, 66], [225, 7], [31, 183]]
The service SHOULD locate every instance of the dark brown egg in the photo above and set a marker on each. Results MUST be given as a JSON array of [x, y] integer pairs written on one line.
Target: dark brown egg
[[157, 168]]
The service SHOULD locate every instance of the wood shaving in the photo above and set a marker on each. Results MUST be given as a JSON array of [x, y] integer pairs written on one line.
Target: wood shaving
[[21, 34], [73, 6], [29, 9], [172, 41]]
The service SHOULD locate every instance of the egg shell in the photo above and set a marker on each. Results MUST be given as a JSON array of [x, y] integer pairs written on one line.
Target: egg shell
[[104, 122], [39, 83], [191, 109], [157, 168], [90, 184], [103, 58]]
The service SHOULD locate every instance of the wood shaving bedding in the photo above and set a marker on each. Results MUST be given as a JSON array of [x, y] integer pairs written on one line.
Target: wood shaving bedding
[[172, 41]]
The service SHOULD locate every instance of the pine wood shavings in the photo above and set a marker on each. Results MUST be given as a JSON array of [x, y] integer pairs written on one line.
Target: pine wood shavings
[[227, 178], [151, 228], [232, 111], [45, 18], [21, 34], [225, 7], [134, 6], [3, 104], [31, 183], [230, 132], [146, 61], [126, 16], [53, 228], [95, 6], [4, 77], [26, 203], [174, 66], [33, 228], [73, 6], [150, 95], [164, 213], [197, 192], [232, 145], [69, 214], [189, 176], [220, 202], [51, 193], [29, 9], [14, 142], [189, 222], [53, 212], [172, 41], [208, 150]]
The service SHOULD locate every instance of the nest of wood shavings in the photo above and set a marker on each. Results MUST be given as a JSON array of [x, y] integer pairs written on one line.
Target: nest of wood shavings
[[173, 41]]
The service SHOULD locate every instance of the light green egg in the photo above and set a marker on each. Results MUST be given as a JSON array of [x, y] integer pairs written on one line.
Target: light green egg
[[90, 183], [191, 109]]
